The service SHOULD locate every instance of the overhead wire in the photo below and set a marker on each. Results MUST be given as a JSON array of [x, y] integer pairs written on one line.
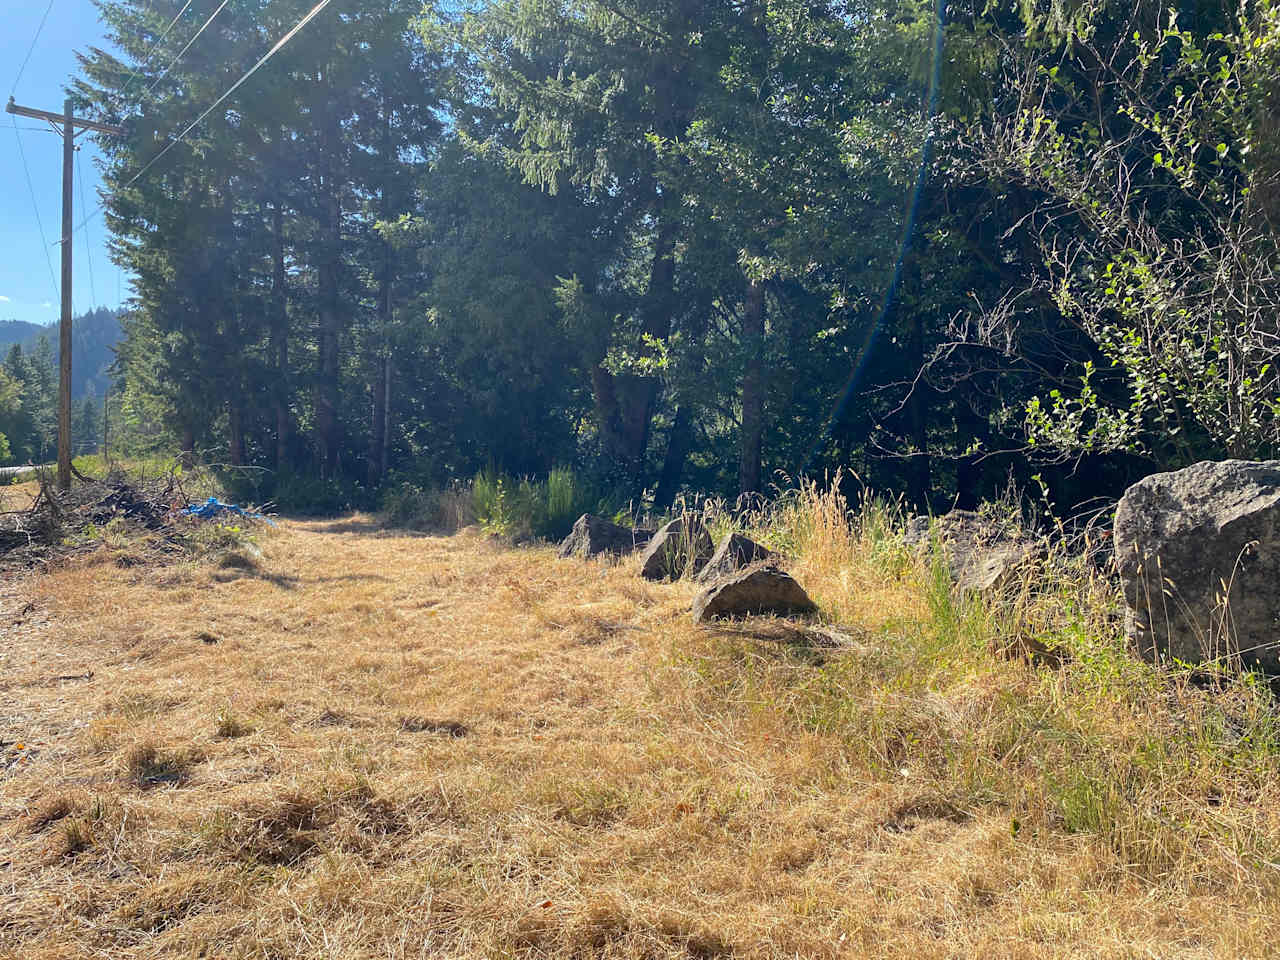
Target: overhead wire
[[279, 45], [181, 53], [152, 49], [31, 49], [35, 206]]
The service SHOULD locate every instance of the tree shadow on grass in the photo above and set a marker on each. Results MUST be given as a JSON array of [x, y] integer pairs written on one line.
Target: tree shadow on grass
[[282, 580], [371, 527], [810, 642]]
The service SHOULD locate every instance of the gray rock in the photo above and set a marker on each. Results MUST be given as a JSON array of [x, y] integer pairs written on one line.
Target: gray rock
[[1198, 552], [982, 554], [734, 553], [756, 590], [677, 546], [592, 536]]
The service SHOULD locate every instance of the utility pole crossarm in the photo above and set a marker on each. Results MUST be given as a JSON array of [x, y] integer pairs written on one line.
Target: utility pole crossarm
[[58, 119]]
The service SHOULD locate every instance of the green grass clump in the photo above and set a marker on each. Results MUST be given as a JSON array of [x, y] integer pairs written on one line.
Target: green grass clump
[[513, 507], [527, 507]]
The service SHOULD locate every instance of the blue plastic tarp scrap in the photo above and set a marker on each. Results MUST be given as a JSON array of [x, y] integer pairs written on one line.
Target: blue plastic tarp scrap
[[213, 507]]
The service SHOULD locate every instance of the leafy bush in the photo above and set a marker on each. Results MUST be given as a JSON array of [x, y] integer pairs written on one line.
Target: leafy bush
[[310, 494]]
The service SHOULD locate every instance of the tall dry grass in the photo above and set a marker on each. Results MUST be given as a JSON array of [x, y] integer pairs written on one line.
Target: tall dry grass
[[370, 743], [1030, 701]]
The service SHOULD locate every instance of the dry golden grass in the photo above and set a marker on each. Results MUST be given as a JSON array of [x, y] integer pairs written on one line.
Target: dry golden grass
[[18, 496], [365, 744]]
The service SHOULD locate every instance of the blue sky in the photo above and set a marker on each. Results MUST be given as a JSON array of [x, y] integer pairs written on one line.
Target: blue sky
[[27, 291]]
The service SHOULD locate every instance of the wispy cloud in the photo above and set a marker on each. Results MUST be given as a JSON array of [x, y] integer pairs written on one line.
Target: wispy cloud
[[47, 305], [3, 299]]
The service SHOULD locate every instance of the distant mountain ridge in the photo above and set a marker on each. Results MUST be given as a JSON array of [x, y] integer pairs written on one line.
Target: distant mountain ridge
[[19, 331], [94, 336]]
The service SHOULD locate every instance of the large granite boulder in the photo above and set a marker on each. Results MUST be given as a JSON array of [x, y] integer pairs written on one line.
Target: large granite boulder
[[679, 546], [756, 590], [982, 554], [1198, 552], [734, 553], [592, 536]]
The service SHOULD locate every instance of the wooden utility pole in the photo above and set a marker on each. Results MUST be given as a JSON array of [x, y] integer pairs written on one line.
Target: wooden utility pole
[[106, 421], [65, 124]]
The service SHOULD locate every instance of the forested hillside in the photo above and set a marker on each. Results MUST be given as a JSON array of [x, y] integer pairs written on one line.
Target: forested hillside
[[689, 245], [17, 331], [29, 384]]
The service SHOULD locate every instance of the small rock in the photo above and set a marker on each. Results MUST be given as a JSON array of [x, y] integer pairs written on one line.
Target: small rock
[[676, 547], [734, 553], [592, 536], [982, 554], [758, 590], [1198, 552]]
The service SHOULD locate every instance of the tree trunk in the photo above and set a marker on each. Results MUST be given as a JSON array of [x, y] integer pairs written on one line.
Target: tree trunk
[[625, 403], [678, 443], [969, 468], [106, 423], [752, 390], [919, 480], [330, 215], [378, 422], [388, 370], [378, 426], [280, 338], [188, 459], [235, 433], [384, 425]]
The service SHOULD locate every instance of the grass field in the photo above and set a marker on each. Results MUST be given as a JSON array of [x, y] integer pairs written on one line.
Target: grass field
[[366, 743]]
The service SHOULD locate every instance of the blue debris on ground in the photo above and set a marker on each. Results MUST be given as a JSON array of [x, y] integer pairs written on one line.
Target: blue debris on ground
[[214, 507]]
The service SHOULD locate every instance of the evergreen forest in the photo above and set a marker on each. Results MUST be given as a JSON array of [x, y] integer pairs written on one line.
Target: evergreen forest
[[29, 386], [697, 245]]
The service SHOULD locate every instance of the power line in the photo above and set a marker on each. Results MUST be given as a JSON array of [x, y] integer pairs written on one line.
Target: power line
[[165, 72], [151, 51], [88, 249], [31, 49], [35, 207], [314, 11]]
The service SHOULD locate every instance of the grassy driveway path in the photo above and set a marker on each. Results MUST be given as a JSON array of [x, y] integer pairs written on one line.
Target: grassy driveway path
[[369, 744]]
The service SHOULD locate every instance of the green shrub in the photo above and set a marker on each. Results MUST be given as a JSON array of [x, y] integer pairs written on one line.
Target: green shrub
[[539, 508], [502, 505], [312, 495], [486, 492]]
